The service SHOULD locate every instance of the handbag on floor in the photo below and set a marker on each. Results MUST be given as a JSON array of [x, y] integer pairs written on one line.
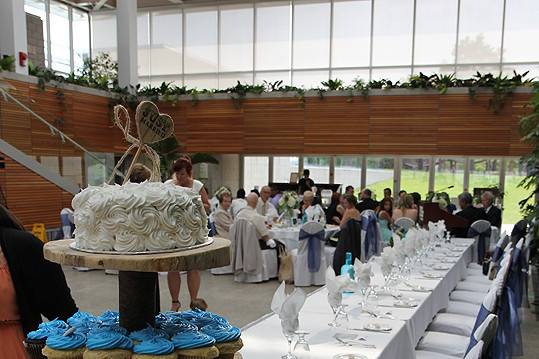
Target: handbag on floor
[[286, 268]]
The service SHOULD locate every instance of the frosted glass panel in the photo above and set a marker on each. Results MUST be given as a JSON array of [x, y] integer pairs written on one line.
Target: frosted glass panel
[[104, 34], [480, 32], [255, 172], [201, 41], [521, 25], [351, 33], [396, 74], [283, 166], [81, 38], [272, 77], [436, 31], [72, 169], [273, 36], [143, 41], [201, 81], [231, 80], [60, 49], [166, 54], [311, 34], [349, 76], [309, 79], [392, 32], [236, 52]]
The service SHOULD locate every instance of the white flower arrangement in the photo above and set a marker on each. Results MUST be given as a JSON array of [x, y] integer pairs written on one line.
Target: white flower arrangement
[[288, 202]]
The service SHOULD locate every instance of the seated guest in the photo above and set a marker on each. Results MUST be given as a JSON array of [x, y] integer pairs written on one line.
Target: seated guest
[[469, 212], [366, 202], [387, 193], [385, 218], [350, 211], [398, 200], [311, 212], [305, 183], [406, 209], [494, 214], [275, 196], [332, 214], [416, 198], [222, 217], [349, 190], [450, 206], [264, 206], [238, 203]]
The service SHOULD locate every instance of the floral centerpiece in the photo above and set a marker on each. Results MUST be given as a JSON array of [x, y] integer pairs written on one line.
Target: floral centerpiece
[[288, 202]]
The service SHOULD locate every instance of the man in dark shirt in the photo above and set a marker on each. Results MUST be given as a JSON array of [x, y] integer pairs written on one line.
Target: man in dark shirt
[[305, 183], [366, 202], [493, 213], [469, 212]]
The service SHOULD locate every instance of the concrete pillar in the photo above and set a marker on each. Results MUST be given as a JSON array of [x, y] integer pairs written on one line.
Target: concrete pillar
[[13, 31], [126, 16]]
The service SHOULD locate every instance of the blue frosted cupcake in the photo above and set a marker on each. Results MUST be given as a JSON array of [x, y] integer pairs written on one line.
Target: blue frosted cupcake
[[35, 340], [83, 322], [227, 338], [65, 347], [154, 348], [193, 344], [147, 334], [202, 318], [107, 344]]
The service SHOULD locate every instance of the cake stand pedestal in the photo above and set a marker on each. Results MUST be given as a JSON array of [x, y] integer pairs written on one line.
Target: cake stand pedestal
[[137, 280]]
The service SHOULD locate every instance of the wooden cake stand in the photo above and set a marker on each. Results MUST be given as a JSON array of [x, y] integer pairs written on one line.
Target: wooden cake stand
[[137, 280]]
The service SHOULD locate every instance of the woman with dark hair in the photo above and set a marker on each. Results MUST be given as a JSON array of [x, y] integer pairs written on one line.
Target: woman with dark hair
[[332, 214], [183, 176], [384, 216], [350, 211], [30, 286]]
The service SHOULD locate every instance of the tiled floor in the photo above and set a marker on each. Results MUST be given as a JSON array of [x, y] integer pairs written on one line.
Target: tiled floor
[[240, 303]]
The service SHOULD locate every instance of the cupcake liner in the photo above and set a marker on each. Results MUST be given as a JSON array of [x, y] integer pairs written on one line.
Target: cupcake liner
[[229, 349], [149, 356], [63, 354], [107, 354], [198, 353], [34, 348]]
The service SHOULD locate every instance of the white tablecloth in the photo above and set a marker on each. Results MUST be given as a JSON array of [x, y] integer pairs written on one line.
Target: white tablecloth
[[290, 236], [263, 338]]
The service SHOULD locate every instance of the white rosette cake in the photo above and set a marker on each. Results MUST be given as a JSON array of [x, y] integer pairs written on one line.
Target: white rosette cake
[[150, 216]]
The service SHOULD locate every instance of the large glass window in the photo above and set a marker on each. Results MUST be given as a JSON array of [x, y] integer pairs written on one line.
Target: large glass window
[[81, 38], [283, 167], [37, 8], [392, 32], [394, 74], [435, 31], [143, 40], [227, 80], [60, 48], [319, 167], [272, 77], [449, 172], [379, 175], [311, 34], [255, 172], [480, 31], [484, 172], [72, 169], [351, 33], [348, 171], [166, 34], [514, 174], [272, 36], [236, 53], [200, 41], [415, 175], [309, 79], [203, 81], [104, 34], [521, 25]]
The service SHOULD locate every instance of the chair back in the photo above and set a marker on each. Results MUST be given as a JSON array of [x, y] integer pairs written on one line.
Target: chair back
[[480, 230], [485, 332], [246, 255], [349, 241], [311, 238], [371, 241], [404, 223], [476, 352]]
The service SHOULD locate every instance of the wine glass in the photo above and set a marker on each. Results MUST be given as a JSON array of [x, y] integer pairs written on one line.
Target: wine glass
[[301, 346], [289, 327]]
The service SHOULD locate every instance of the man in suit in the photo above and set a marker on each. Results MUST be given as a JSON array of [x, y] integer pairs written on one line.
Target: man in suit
[[366, 202], [468, 212], [493, 213]]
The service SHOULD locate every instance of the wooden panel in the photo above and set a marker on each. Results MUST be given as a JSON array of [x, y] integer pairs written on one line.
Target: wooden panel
[[519, 108]]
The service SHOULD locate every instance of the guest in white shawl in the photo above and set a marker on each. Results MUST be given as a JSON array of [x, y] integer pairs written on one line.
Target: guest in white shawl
[[310, 212], [222, 217], [238, 203], [264, 206]]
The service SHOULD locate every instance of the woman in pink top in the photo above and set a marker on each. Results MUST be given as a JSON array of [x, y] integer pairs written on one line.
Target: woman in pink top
[[406, 209]]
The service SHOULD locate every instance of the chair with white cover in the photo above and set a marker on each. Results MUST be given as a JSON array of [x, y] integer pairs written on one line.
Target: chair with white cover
[[404, 223], [309, 259], [250, 263], [526, 270], [480, 231], [371, 238], [475, 353], [494, 237]]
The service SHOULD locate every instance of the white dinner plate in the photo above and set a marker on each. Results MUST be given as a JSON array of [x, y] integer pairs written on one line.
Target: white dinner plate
[[405, 304], [431, 275], [441, 267], [377, 327], [349, 356]]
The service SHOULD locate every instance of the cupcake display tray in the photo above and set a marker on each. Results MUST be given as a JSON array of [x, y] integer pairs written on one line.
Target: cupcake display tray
[[72, 245]]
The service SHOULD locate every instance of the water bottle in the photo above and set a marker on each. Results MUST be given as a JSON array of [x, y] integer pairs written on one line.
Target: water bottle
[[348, 268]]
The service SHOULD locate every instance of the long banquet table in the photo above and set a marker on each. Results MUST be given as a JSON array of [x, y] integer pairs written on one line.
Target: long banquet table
[[264, 339]]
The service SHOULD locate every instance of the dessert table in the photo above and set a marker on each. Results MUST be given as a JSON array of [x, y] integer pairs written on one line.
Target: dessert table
[[289, 236], [264, 339]]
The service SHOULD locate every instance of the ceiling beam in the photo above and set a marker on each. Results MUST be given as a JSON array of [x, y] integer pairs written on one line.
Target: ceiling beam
[[99, 5]]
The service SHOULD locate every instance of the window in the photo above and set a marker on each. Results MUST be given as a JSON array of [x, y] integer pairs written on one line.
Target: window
[[311, 34], [200, 41], [272, 36], [429, 70], [98, 172], [480, 29], [60, 42], [236, 52], [379, 175], [449, 172], [520, 26], [394, 74], [231, 80], [512, 193], [104, 34], [37, 8], [255, 172], [200, 82], [319, 168], [484, 173], [349, 77], [143, 40], [348, 171], [351, 33], [435, 31], [283, 167], [415, 175], [272, 77], [81, 38], [392, 32], [309, 79], [72, 169], [51, 163], [166, 34]]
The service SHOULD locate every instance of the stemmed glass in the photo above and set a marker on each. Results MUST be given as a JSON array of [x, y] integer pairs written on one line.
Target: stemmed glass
[[289, 328], [301, 346]]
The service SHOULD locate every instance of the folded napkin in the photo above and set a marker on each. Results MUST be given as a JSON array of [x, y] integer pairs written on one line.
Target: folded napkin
[[363, 272], [335, 286], [387, 260], [411, 243], [287, 307]]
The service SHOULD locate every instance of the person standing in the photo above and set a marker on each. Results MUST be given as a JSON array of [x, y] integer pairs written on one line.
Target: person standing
[[183, 169], [305, 183]]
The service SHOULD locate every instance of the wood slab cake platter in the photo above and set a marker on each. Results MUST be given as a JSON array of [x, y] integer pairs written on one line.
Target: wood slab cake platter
[[138, 273]]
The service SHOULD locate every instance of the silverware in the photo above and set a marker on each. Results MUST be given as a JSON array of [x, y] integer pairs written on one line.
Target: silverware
[[352, 343], [369, 331]]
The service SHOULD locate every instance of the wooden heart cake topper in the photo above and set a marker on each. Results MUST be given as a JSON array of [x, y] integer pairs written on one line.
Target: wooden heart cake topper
[[151, 127]]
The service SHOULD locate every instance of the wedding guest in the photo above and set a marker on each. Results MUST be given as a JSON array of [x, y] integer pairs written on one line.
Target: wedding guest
[[68, 222], [416, 198], [385, 218], [275, 196], [30, 287], [222, 217], [494, 214], [183, 169], [366, 202], [350, 210], [305, 183], [469, 212], [238, 203], [332, 214], [310, 211], [387, 193], [349, 190], [406, 209], [402, 193], [264, 206], [450, 206], [255, 191]]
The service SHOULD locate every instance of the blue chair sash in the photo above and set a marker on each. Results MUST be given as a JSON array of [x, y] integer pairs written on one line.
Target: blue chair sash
[[314, 248], [484, 238], [368, 224], [497, 254], [481, 316], [515, 279]]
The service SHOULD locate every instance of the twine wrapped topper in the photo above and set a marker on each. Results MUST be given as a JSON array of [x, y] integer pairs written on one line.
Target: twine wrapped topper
[[152, 126]]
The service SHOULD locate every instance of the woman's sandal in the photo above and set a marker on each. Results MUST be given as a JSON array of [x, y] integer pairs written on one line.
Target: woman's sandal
[[176, 306]]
